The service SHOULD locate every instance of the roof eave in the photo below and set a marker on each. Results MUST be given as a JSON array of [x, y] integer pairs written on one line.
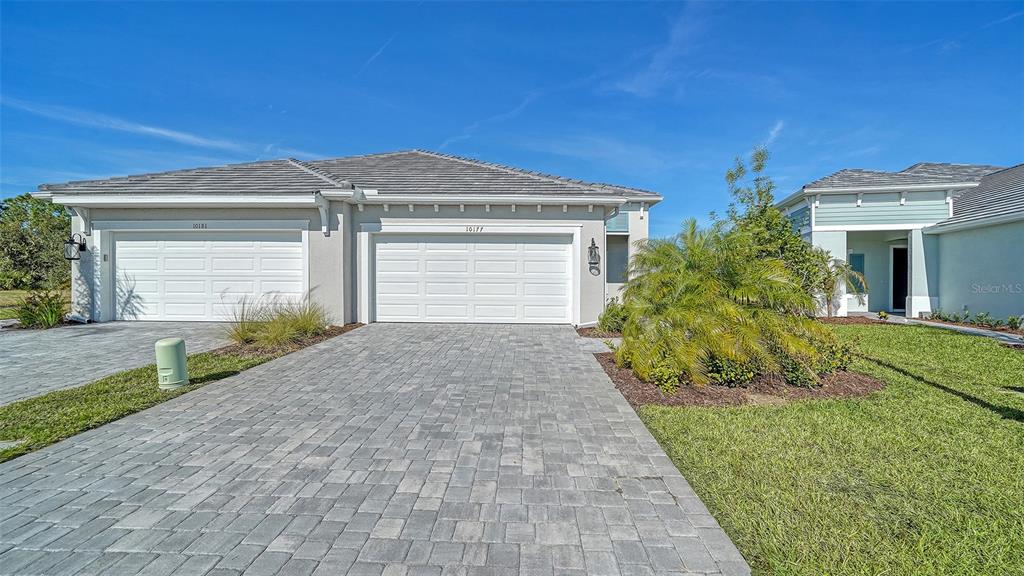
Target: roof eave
[[994, 220]]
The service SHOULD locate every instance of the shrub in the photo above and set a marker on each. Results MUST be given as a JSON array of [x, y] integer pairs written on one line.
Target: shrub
[[1014, 322], [247, 318], [273, 324], [985, 319], [796, 372], [833, 355], [665, 377], [883, 315], [42, 309], [613, 318], [703, 295], [730, 372]]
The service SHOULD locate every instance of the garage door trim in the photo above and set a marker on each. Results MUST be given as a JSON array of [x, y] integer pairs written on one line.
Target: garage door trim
[[469, 228], [105, 234]]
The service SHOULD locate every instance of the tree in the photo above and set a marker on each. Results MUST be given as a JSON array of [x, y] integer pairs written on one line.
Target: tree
[[753, 211], [702, 296], [32, 235], [836, 275]]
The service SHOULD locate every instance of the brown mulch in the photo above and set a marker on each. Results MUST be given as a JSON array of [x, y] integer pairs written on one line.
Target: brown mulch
[[762, 391], [246, 350], [594, 332], [851, 320], [1017, 347], [1006, 329]]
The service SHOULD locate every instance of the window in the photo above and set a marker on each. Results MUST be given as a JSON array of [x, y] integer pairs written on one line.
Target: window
[[857, 263]]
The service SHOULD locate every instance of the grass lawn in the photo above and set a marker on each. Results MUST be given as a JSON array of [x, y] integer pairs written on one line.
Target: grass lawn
[[924, 477], [52, 417], [9, 301]]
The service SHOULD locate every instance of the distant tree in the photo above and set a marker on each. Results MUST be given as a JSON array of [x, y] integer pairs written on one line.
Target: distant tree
[[32, 235], [753, 211]]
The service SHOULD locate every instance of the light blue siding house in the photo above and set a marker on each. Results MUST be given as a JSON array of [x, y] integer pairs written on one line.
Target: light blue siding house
[[932, 236]]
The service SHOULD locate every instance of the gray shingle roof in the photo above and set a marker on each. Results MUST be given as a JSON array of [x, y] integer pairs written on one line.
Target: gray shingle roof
[[423, 172], [998, 195], [271, 176], [920, 173], [407, 172]]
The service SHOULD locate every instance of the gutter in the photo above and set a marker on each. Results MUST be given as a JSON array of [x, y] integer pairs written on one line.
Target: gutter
[[803, 192], [941, 228]]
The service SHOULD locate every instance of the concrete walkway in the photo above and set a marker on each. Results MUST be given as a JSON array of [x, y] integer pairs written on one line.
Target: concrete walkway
[[34, 362], [410, 449]]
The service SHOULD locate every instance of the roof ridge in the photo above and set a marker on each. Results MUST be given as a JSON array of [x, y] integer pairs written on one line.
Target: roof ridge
[[512, 170], [151, 175], [322, 174]]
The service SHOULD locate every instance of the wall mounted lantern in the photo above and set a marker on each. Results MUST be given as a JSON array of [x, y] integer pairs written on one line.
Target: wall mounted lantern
[[594, 258], [73, 247]]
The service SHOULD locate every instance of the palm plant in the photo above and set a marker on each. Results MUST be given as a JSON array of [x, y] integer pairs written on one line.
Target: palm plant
[[701, 295], [837, 274]]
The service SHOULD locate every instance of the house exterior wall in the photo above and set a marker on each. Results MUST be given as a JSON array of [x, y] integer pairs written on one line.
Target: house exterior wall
[[333, 260], [834, 242], [881, 209], [980, 269]]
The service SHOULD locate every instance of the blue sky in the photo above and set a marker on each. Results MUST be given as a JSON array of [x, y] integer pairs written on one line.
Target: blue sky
[[660, 96]]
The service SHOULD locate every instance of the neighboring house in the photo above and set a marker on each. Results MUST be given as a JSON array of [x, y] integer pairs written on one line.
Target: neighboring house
[[933, 236], [409, 236]]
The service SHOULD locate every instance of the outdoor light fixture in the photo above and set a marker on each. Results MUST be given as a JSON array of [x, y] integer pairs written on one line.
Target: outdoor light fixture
[[73, 247], [594, 258]]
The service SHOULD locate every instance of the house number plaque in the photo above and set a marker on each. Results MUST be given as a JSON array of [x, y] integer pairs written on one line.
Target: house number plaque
[[474, 228]]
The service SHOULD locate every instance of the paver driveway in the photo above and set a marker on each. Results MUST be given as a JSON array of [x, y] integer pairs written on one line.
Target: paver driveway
[[416, 449], [34, 362]]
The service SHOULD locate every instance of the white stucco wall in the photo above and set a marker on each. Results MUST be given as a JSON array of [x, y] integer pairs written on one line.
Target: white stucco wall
[[982, 270]]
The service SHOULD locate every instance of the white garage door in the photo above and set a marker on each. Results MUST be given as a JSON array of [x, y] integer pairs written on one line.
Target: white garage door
[[202, 275], [512, 278]]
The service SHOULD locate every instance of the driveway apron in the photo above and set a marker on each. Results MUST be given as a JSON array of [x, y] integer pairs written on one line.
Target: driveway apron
[[393, 449]]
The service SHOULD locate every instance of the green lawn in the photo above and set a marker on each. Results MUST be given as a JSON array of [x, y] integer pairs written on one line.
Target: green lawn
[[52, 417], [924, 477], [9, 301]]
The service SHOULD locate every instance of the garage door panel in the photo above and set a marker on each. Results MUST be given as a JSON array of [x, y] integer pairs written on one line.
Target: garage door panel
[[203, 275], [183, 264], [240, 264], [489, 279], [446, 288]]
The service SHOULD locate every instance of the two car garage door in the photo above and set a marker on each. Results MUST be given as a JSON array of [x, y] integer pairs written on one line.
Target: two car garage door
[[202, 275]]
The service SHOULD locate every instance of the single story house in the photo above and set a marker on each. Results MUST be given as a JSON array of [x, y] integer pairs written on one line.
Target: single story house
[[411, 236], [930, 237]]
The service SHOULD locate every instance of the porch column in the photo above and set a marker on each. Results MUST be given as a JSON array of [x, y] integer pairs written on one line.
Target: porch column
[[834, 242], [922, 273]]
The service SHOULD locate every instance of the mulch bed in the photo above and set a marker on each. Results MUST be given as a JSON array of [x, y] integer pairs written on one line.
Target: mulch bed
[[246, 350], [762, 391], [850, 320], [978, 326], [594, 332]]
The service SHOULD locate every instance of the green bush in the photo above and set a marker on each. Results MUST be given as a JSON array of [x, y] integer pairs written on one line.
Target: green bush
[[883, 315], [797, 372], [985, 319], [1014, 322], [267, 325], [42, 309], [32, 235], [833, 355], [613, 318], [730, 372], [665, 377]]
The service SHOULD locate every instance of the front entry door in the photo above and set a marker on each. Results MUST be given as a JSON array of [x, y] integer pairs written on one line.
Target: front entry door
[[899, 278]]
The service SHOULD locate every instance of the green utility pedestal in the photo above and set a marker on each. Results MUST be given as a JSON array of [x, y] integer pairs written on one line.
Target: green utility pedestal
[[171, 368]]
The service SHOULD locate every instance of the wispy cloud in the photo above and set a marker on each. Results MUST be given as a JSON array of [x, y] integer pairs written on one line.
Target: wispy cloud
[[665, 65], [472, 128], [620, 155], [102, 121], [375, 55], [945, 45], [773, 134]]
